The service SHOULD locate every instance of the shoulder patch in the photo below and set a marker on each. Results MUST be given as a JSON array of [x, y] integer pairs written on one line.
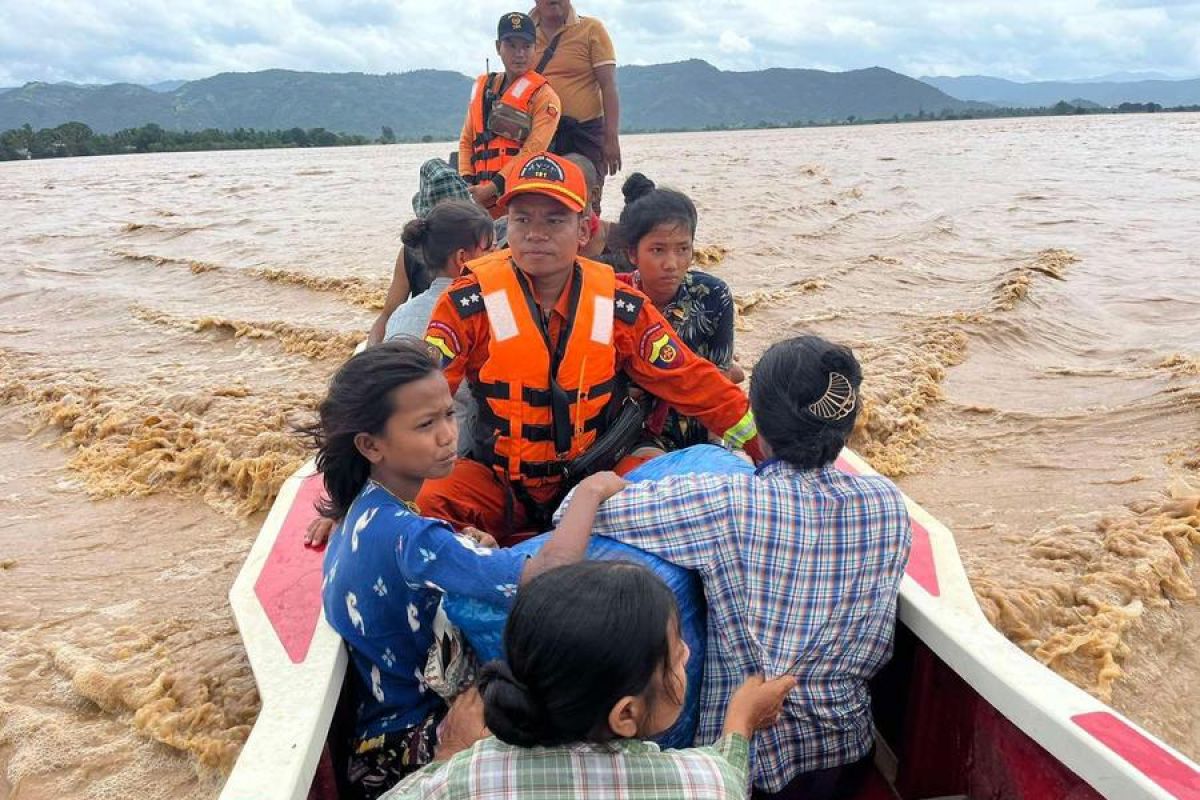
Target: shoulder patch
[[443, 342], [627, 307], [659, 347], [468, 300]]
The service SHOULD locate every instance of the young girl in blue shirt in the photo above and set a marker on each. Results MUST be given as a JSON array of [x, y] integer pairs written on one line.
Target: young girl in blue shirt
[[386, 425]]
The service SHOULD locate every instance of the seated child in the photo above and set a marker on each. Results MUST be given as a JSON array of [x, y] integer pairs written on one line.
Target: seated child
[[453, 233], [657, 231], [595, 666], [386, 425], [801, 565]]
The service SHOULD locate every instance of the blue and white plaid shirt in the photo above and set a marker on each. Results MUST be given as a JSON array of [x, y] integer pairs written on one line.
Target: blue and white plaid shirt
[[801, 570]]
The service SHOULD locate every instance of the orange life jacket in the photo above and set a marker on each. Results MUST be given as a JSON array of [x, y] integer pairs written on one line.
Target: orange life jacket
[[542, 404], [491, 151]]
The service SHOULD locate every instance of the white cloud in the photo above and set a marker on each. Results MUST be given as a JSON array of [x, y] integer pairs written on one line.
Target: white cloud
[[731, 42], [151, 40]]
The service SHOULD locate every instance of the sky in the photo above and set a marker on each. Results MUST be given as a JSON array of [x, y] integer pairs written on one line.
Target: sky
[[145, 41]]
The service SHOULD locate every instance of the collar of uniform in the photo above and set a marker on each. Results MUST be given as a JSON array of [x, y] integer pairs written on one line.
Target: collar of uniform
[[572, 16], [563, 307]]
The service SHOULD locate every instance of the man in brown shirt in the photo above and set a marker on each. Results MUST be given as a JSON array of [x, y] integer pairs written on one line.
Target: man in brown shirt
[[583, 71]]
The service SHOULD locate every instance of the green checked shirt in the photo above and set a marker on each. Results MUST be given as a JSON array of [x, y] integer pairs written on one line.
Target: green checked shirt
[[628, 769]]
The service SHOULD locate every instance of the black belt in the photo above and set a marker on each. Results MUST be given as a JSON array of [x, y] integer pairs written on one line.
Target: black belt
[[530, 469], [493, 152], [531, 433], [540, 398]]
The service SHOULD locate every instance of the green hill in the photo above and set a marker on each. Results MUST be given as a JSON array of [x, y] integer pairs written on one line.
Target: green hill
[[695, 94], [687, 95]]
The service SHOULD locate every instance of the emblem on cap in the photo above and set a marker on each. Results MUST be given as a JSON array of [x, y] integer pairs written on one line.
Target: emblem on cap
[[515, 21], [543, 168]]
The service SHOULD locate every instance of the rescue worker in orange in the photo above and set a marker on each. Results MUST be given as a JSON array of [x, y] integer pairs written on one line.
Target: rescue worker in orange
[[511, 115], [546, 339]]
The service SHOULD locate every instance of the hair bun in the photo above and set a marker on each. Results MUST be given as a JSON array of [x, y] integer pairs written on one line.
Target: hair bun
[[509, 708], [636, 186], [415, 232], [841, 360]]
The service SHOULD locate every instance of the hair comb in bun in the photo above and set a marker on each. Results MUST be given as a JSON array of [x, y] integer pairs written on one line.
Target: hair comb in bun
[[837, 402]]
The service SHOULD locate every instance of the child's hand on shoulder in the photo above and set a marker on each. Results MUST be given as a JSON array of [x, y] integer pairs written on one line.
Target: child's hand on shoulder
[[757, 703], [318, 531], [602, 485]]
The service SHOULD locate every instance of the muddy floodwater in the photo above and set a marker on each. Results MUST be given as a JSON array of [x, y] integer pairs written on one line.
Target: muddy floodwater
[[1023, 294]]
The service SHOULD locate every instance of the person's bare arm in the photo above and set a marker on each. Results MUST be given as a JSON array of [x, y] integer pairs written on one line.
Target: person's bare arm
[[462, 727], [466, 147], [568, 543], [606, 76], [397, 293]]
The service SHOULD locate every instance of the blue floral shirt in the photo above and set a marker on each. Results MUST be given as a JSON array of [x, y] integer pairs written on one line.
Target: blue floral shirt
[[385, 571], [702, 313]]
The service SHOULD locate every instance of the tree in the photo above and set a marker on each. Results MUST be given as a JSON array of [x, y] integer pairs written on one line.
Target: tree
[[387, 135], [75, 138], [148, 137]]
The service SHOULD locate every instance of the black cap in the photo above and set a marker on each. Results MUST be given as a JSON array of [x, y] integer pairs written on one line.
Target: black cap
[[514, 24]]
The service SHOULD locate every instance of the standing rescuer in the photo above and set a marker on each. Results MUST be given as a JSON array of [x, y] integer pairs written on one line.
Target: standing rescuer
[[511, 115], [543, 337]]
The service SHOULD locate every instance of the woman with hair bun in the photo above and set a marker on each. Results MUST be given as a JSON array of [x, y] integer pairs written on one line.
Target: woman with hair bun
[[801, 565], [439, 183], [656, 233], [595, 666]]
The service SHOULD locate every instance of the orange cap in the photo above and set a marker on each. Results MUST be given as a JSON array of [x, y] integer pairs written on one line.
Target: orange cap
[[551, 175]]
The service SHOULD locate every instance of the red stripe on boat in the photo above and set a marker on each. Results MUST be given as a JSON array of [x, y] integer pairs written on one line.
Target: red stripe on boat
[[921, 567], [289, 586], [1169, 772]]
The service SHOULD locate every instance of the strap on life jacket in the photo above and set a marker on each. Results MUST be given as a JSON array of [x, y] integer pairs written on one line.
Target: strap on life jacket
[[560, 402], [543, 401], [491, 150]]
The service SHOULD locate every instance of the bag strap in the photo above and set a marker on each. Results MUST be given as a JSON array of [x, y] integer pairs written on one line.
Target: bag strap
[[549, 54]]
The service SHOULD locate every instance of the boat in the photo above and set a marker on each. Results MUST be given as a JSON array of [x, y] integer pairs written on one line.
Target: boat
[[961, 712]]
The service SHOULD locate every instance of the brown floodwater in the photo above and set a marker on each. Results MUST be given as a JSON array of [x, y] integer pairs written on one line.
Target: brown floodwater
[[1022, 294]]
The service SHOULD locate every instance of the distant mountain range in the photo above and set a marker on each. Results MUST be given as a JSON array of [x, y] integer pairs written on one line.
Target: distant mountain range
[[1000, 92], [687, 95], [682, 96]]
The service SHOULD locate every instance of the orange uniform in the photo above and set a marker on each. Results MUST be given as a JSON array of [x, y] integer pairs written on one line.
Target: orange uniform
[[613, 328], [480, 160]]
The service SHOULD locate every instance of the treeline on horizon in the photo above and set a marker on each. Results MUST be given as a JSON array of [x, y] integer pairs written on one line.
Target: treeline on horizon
[[78, 139], [1060, 109]]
